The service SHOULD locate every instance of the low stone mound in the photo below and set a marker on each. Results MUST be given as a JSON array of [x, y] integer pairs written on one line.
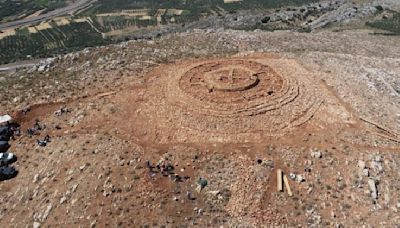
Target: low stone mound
[[233, 98]]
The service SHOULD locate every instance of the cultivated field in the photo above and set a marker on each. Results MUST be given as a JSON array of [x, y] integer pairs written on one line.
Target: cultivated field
[[110, 19]]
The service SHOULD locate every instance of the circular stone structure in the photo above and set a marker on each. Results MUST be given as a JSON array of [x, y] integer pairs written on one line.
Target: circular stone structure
[[229, 79], [232, 98], [233, 88]]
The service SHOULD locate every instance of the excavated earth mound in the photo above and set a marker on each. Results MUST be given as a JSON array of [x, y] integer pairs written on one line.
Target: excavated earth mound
[[228, 100]]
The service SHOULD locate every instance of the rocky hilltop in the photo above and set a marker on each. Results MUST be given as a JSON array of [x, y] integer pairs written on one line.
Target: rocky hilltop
[[209, 127]]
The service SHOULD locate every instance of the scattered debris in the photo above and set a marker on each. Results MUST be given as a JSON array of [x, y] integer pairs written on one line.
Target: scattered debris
[[46, 64], [61, 111], [361, 164], [93, 224], [37, 127], [198, 210], [373, 189], [190, 196], [63, 199], [36, 178], [299, 178], [376, 164], [74, 187], [25, 110], [365, 172], [316, 153], [106, 94], [36, 225], [46, 213]]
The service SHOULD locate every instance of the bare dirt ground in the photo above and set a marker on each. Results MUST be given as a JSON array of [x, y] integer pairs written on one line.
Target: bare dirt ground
[[229, 107]]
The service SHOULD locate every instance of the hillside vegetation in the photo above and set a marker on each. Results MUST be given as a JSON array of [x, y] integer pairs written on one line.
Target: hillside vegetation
[[107, 21], [12, 9], [391, 25]]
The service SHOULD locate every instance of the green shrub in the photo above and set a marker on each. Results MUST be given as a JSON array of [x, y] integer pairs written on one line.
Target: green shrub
[[391, 24]]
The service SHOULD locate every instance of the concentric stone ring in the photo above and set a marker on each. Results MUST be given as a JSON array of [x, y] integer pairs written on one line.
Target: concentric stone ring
[[232, 99], [230, 79]]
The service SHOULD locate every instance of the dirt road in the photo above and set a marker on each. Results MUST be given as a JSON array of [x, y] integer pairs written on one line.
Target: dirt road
[[58, 12], [12, 67]]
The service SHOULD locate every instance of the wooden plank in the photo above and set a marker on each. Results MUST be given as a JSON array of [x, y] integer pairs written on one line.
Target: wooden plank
[[106, 94], [279, 180], [286, 181]]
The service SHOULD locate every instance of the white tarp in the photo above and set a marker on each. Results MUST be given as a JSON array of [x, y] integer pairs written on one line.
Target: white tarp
[[5, 118]]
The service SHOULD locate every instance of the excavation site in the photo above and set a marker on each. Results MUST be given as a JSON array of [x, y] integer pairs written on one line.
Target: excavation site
[[228, 100], [207, 129]]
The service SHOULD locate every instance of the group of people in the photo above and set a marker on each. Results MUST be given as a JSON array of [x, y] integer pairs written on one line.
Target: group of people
[[7, 171], [166, 170]]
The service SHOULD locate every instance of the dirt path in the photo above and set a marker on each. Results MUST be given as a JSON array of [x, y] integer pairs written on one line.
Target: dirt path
[[12, 67]]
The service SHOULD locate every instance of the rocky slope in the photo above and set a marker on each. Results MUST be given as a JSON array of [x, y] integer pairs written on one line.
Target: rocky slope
[[100, 166]]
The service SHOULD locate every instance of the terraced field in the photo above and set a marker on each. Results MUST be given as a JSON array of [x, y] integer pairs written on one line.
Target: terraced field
[[103, 22], [47, 41], [13, 9]]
